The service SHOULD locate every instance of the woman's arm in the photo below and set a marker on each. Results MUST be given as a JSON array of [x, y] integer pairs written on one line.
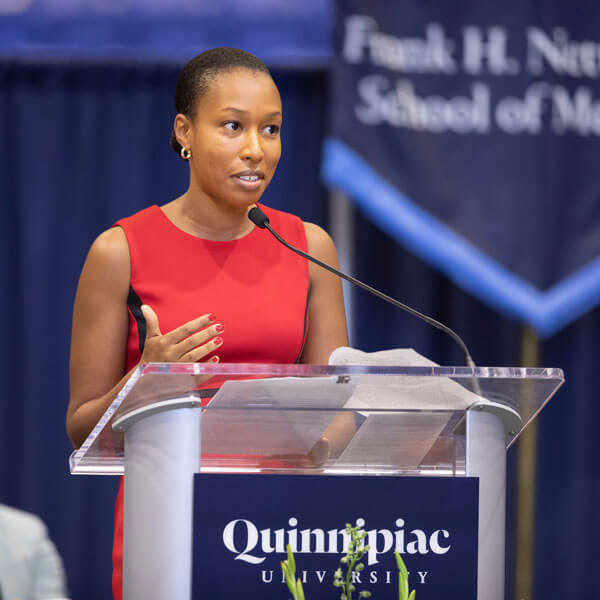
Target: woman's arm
[[326, 315], [99, 338], [99, 333]]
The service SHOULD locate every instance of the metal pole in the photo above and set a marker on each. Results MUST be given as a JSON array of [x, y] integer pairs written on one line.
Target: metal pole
[[486, 459], [341, 227], [162, 453], [526, 483]]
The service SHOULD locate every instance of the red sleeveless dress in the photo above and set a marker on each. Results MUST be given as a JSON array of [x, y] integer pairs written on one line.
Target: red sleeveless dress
[[255, 287]]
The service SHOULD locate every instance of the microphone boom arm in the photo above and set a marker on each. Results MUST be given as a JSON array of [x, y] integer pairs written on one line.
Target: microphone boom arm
[[261, 220]]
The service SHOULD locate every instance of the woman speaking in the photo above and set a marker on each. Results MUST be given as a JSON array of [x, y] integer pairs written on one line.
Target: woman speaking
[[194, 279]]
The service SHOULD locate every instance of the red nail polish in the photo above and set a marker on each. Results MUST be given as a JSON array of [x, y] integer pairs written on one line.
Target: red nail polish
[[214, 359], [219, 328], [212, 317], [218, 341]]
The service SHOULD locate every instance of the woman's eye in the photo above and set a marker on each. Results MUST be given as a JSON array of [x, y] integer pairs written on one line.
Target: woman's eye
[[232, 125], [272, 129]]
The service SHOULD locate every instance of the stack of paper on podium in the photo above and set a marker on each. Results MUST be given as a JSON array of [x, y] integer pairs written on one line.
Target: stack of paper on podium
[[427, 406]]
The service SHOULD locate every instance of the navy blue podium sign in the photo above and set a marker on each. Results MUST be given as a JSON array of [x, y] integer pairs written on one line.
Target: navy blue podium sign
[[243, 523]]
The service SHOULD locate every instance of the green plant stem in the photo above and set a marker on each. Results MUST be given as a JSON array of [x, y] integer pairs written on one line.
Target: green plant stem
[[347, 589]]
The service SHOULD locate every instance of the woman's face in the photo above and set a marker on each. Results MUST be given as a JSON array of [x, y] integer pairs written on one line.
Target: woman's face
[[234, 137]]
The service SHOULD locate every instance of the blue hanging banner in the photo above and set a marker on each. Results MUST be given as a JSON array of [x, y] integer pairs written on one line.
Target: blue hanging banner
[[243, 523], [469, 133], [279, 32]]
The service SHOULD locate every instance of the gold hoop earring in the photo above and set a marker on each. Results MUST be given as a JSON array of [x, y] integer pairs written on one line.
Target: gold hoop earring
[[185, 153]]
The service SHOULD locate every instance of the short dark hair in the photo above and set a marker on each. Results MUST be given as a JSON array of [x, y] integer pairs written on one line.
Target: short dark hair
[[195, 78]]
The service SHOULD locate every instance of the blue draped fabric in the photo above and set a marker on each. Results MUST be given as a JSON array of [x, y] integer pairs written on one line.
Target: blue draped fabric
[[83, 145], [279, 32]]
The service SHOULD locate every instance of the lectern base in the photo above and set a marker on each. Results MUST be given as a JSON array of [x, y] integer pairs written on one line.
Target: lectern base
[[157, 540]]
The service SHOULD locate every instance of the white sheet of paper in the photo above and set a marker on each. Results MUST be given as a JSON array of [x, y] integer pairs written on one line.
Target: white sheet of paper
[[271, 428], [377, 440], [399, 439]]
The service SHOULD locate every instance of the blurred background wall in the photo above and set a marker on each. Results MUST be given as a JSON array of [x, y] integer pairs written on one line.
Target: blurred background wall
[[86, 108]]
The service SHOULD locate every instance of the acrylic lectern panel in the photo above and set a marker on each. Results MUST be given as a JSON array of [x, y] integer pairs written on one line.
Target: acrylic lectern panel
[[259, 417]]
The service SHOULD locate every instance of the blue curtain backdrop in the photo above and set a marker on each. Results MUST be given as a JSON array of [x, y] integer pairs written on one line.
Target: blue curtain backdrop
[[83, 145]]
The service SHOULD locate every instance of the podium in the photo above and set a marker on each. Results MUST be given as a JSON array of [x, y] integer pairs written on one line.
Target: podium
[[173, 420]]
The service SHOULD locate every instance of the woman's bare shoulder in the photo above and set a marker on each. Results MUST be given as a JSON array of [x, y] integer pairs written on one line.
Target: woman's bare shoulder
[[110, 250], [107, 262], [111, 245], [319, 242]]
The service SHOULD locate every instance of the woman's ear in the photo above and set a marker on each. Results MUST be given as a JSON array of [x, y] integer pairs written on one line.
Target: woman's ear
[[182, 130]]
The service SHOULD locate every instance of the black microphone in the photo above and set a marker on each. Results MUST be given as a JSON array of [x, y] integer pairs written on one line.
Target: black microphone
[[261, 220]]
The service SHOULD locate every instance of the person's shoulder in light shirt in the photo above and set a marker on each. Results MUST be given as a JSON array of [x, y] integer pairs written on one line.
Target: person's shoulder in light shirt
[[30, 566]]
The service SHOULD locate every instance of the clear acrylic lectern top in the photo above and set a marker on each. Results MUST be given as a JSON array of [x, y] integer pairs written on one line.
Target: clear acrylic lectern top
[[271, 417]]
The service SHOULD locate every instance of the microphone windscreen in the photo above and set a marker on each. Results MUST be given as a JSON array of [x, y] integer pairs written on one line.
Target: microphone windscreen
[[258, 217]]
